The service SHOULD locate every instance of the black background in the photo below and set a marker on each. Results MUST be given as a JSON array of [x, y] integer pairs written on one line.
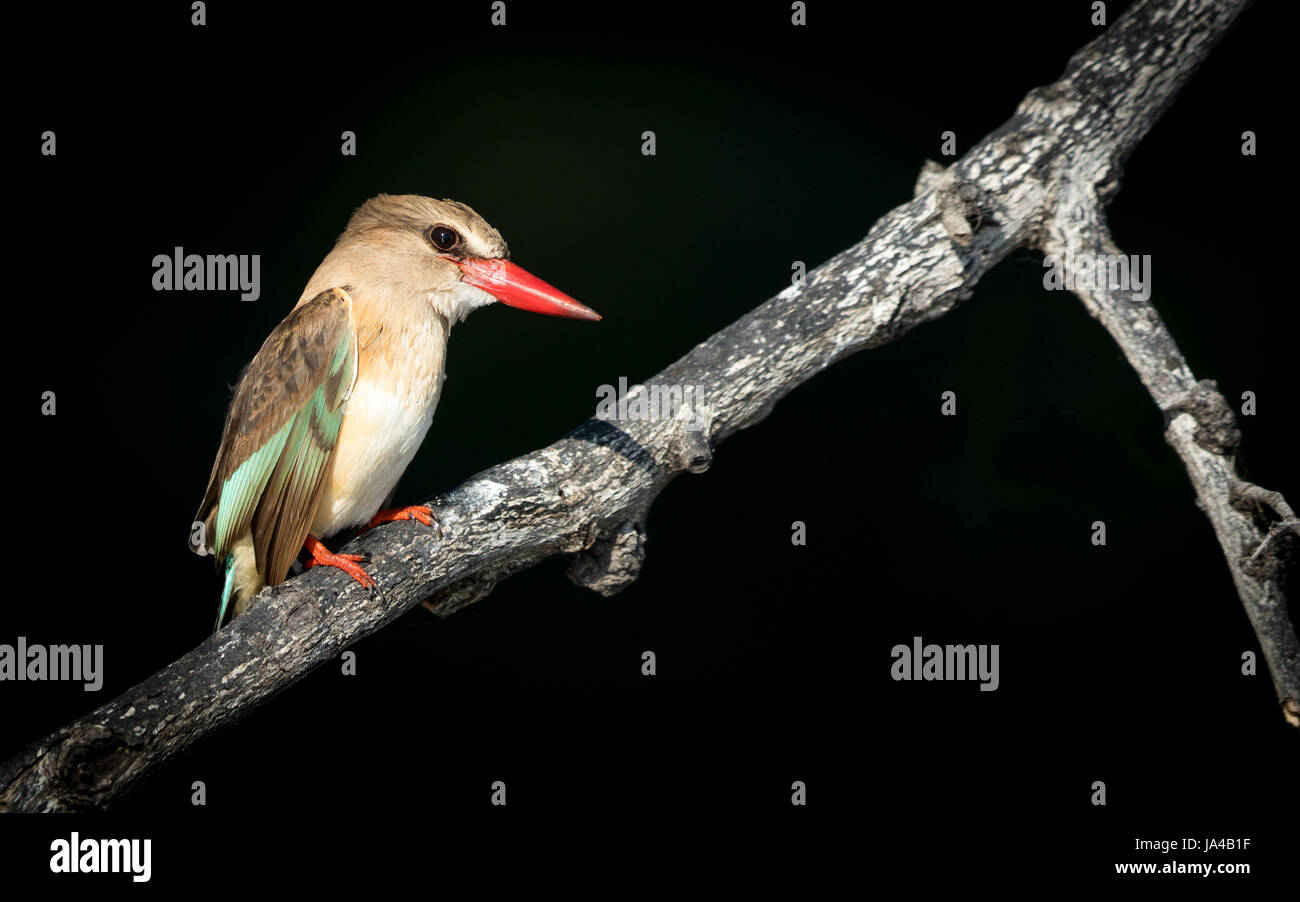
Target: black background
[[775, 144]]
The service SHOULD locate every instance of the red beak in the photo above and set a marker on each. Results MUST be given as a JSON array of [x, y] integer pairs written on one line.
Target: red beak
[[517, 287]]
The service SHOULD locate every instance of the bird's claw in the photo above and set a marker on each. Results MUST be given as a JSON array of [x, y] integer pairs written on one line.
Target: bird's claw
[[361, 558], [421, 512], [348, 563]]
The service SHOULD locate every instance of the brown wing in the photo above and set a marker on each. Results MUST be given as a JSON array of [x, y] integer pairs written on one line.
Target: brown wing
[[280, 434]]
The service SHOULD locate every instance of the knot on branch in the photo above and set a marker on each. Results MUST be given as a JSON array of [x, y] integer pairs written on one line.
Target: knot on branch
[[85, 765], [612, 563], [1216, 425], [1291, 711], [462, 593], [957, 200], [960, 212], [694, 450], [930, 176], [1271, 515]]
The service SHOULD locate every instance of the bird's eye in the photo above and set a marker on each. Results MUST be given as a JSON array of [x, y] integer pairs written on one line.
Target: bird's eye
[[443, 238]]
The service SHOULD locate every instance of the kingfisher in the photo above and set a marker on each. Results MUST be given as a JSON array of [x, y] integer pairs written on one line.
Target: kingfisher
[[331, 410]]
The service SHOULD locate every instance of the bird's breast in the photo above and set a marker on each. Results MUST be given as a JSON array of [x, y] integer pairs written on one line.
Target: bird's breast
[[399, 379]]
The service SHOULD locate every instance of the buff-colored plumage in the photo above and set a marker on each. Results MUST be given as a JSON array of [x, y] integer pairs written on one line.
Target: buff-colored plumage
[[335, 404]]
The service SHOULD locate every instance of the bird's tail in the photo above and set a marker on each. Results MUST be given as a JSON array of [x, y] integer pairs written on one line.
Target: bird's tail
[[226, 590], [242, 578]]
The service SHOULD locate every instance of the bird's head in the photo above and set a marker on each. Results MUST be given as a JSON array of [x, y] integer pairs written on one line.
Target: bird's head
[[443, 250]]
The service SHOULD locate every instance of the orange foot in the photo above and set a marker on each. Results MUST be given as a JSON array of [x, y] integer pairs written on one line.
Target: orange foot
[[421, 512], [348, 563]]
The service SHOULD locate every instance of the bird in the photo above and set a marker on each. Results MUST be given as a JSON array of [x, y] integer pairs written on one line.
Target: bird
[[331, 410]]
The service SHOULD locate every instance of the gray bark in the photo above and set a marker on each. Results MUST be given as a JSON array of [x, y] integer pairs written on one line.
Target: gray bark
[[1040, 181]]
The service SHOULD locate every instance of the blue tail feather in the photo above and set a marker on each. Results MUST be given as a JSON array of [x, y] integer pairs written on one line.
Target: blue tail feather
[[226, 590]]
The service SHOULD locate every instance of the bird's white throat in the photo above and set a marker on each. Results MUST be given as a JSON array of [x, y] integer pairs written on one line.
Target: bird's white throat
[[460, 301]]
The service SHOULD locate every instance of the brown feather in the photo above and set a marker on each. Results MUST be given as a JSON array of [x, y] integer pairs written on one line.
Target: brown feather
[[291, 364]]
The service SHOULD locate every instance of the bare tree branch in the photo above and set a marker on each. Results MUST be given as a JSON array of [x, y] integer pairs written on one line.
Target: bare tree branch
[[1039, 181], [1201, 427]]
